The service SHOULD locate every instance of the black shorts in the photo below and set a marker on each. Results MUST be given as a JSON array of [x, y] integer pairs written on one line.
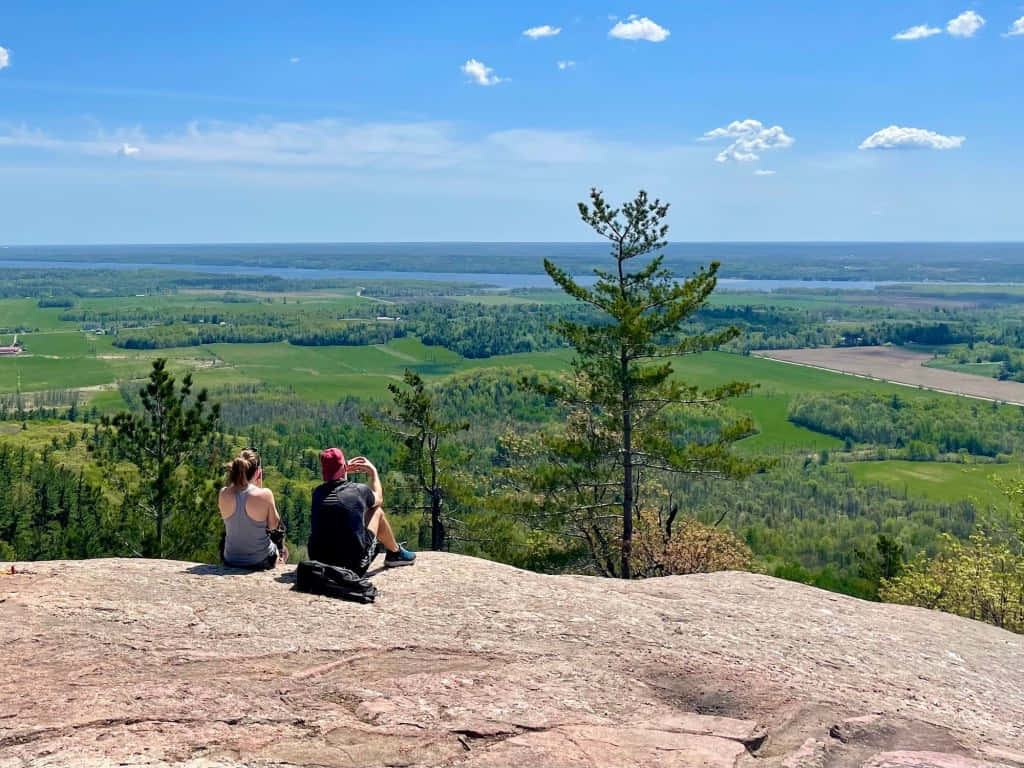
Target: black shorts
[[368, 554], [264, 565]]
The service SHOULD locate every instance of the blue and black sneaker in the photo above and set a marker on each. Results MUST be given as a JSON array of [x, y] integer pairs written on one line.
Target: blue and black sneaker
[[402, 557]]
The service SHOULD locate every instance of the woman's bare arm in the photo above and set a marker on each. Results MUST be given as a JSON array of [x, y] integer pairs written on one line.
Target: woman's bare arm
[[273, 518]]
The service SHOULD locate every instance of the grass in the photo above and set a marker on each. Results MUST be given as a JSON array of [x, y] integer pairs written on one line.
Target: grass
[[60, 343], [988, 369], [25, 313], [34, 374], [108, 401], [941, 481]]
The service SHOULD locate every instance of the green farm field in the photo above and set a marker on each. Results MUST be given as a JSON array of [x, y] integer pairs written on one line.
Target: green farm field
[[942, 481], [64, 357], [72, 359]]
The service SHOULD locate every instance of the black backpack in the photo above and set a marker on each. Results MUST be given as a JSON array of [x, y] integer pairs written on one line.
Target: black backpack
[[333, 581]]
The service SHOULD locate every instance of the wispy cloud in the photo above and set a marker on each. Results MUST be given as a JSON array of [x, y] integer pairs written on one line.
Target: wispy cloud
[[639, 28], [746, 139], [899, 137], [326, 143], [294, 59], [965, 25], [545, 30], [919, 32], [327, 146], [5, 57], [563, 65], [764, 172], [480, 73], [1016, 29]]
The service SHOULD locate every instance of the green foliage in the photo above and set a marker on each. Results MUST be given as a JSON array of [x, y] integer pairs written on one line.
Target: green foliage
[[622, 398], [415, 424], [163, 459], [981, 578], [923, 427], [999, 361], [49, 511], [946, 482]]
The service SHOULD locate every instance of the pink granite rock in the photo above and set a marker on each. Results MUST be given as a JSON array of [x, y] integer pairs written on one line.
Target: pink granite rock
[[463, 662]]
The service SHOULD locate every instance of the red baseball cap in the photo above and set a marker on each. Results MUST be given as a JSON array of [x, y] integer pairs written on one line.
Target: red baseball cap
[[332, 462]]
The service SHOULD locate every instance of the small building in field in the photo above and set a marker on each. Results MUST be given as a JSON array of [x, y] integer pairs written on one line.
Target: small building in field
[[8, 351]]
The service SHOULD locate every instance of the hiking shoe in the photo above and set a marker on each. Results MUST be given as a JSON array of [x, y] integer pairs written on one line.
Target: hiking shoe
[[402, 557]]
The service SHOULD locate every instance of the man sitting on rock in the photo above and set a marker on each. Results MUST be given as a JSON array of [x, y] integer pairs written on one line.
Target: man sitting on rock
[[348, 521]]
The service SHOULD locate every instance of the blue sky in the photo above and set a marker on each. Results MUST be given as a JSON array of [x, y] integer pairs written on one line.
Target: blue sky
[[336, 121]]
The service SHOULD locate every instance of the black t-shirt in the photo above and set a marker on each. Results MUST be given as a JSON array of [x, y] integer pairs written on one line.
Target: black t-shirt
[[338, 534]]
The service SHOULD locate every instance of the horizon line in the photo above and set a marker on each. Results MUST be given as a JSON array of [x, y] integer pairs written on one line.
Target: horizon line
[[233, 243]]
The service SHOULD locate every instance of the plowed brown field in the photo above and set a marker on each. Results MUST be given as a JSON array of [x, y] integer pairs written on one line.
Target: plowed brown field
[[900, 366]]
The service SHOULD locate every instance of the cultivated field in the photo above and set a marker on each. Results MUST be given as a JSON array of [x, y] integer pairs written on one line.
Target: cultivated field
[[980, 483], [900, 366]]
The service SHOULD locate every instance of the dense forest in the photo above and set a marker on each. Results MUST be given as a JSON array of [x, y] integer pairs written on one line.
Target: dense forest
[[925, 428]]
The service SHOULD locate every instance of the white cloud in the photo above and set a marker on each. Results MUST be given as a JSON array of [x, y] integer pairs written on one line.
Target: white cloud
[[763, 172], [5, 57], [919, 32], [1016, 29], [639, 28], [325, 143], [294, 60], [965, 25], [899, 137], [480, 73], [371, 151], [563, 65], [748, 137], [545, 30]]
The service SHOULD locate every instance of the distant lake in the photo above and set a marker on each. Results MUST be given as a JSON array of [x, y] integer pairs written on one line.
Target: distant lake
[[498, 281]]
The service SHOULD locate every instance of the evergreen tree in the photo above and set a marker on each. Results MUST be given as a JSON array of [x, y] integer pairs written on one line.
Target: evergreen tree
[[626, 404], [172, 448], [415, 423]]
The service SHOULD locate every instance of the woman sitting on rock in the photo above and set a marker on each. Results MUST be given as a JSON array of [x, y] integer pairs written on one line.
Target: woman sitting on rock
[[250, 516]]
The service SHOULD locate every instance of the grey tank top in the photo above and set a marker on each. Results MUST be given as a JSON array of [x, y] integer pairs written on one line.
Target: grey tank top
[[247, 542]]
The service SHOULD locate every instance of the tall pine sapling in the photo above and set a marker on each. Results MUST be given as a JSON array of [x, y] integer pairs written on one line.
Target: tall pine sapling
[[415, 423], [625, 403], [170, 444]]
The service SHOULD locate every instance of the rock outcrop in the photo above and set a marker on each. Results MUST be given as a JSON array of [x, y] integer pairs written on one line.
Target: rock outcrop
[[462, 662]]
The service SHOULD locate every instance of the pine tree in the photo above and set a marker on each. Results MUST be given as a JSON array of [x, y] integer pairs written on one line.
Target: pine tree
[[626, 406], [170, 445], [415, 423]]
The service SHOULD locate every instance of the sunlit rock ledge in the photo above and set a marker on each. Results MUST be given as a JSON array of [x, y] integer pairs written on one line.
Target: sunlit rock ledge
[[463, 662]]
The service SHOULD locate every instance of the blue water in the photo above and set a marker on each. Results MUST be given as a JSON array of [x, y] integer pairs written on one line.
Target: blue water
[[498, 281], [745, 266]]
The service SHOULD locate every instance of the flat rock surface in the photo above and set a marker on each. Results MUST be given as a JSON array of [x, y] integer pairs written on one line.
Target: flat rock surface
[[463, 662]]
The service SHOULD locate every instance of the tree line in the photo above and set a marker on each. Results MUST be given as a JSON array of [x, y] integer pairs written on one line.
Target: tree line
[[924, 426]]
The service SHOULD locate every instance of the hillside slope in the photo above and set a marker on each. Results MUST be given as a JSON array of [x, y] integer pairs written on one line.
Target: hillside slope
[[463, 662]]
